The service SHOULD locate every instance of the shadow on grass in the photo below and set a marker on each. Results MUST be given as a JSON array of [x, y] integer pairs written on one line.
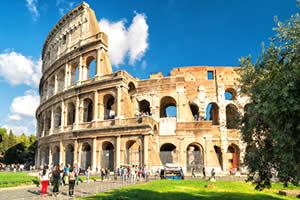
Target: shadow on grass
[[136, 194]]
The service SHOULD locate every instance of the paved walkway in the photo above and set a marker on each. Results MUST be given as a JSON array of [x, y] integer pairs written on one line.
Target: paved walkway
[[82, 190]]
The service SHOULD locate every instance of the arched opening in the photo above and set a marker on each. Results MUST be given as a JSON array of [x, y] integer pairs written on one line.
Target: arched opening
[[212, 113], [133, 153], [91, 66], [57, 117], [232, 117], [87, 110], [219, 154], [131, 88], [107, 159], [60, 80], [51, 85], [86, 158], [70, 154], [44, 156], [144, 107], [195, 111], [168, 107], [194, 157], [168, 153], [230, 94], [55, 155], [234, 158], [48, 121], [109, 106], [74, 73], [71, 113]]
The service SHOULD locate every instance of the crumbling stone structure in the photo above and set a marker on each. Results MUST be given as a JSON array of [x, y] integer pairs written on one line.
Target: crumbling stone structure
[[95, 117]]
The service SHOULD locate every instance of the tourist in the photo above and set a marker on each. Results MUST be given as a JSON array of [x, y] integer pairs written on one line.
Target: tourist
[[146, 173], [76, 171], [56, 177], [193, 172], [102, 173], [44, 177], [204, 173], [212, 175], [88, 174], [107, 173], [72, 179], [66, 174]]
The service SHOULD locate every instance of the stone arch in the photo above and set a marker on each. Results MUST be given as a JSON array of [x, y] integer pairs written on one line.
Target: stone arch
[[71, 111], [144, 107], [48, 120], [44, 155], [133, 153], [91, 67], [195, 110], [70, 154], [212, 113], [168, 107], [55, 155], [234, 158], [232, 116], [74, 73], [60, 80], [88, 107], [230, 94], [219, 154], [194, 157], [107, 157], [51, 86], [57, 117], [45, 90], [168, 153], [86, 156], [109, 106], [131, 88]]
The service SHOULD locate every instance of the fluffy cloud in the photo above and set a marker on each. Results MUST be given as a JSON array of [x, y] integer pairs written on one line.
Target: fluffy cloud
[[123, 42], [19, 69], [32, 7], [24, 106]]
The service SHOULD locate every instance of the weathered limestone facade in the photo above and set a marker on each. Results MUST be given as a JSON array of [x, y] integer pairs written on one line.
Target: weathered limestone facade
[[94, 117]]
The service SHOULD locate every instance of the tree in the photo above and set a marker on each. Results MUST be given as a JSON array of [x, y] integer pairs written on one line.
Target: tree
[[271, 126], [11, 141], [3, 144]]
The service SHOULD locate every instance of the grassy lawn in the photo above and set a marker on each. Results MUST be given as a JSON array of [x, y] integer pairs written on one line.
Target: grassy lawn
[[10, 179], [191, 189]]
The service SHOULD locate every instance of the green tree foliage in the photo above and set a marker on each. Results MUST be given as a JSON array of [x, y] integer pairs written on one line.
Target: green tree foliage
[[271, 124], [17, 148]]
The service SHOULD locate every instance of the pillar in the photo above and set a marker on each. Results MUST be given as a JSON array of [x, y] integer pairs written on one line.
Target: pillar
[[62, 115], [61, 152], [80, 69], [52, 121], [146, 147], [94, 155], [119, 97], [98, 63], [55, 84], [67, 76], [75, 157], [50, 156], [118, 151], [77, 112], [95, 113]]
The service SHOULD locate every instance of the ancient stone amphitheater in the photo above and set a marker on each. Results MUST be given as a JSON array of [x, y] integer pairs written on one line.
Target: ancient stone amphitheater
[[92, 116]]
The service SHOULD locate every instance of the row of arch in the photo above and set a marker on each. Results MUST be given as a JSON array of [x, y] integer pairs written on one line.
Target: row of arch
[[56, 83]]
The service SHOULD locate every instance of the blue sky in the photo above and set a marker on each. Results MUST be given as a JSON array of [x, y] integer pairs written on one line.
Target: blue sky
[[176, 33]]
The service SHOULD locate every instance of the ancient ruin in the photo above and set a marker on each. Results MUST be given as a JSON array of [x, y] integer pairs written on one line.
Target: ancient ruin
[[95, 117]]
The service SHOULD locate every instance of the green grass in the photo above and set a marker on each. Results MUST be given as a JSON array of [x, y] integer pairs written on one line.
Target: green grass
[[190, 190], [10, 179]]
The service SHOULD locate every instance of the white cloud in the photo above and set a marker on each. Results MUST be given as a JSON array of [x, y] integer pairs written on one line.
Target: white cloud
[[17, 129], [19, 69], [24, 106], [64, 6], [32, 7], [131, 42]]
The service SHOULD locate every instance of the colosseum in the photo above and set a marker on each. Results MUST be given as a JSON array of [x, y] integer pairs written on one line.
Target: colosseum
[[93, 116]]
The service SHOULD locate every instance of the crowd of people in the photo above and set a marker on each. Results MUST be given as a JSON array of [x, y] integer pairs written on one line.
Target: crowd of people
[[132, 173], [16, 167]]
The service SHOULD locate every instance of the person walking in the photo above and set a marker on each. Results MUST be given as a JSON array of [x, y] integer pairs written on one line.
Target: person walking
[[56, 180], [204, 173], [88, 174], [44, 177], [212, 175], [72, 179], [193, 172], [76, 170]]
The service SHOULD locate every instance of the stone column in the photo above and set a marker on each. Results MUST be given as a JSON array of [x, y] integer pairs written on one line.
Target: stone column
[[98, 63], [77, 113], [55, 83], [80, 69], [50, 156], [52, 121], [118, 151], [146, 147], [95, 117], [119, 97], [94, 155], [67, 76], [37, 158], [61, 152], [62, 115], [75, 152]]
